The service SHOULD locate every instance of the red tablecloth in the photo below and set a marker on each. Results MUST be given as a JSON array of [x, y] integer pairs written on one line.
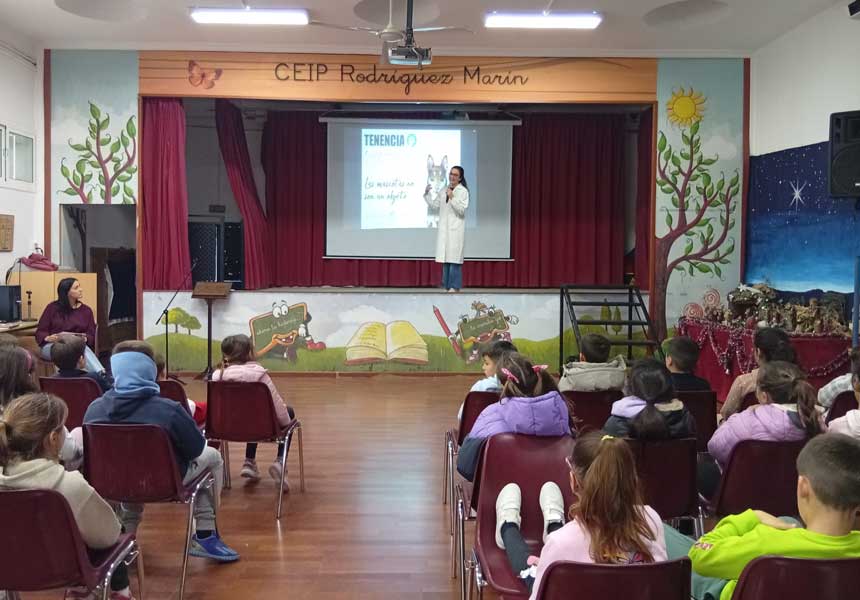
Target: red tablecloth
[[727, 352]]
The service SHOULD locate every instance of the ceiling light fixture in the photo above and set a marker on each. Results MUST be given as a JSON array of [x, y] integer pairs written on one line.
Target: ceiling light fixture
[[543, 20], [250, 16]]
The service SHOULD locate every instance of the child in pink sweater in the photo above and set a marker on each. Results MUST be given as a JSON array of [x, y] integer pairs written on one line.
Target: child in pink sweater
[[609, 523], [239, 364]]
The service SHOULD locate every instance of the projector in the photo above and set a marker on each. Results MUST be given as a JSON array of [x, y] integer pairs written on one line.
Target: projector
[[412, 56], [854, 9]]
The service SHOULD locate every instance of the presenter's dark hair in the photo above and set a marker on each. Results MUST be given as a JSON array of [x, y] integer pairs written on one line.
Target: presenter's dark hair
[[63, 293], [462, 176]]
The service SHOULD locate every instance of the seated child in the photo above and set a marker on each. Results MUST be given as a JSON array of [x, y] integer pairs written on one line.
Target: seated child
[[849, 423], [31, 434], [650, 410], [609, 524], [682, 354], [7, 339], [770, 344], [828, 497], [196, 409], [239, 364], [490, 356], [843, 383], [594, 372], [786, 412], [67, 353], [530, 404], [134, 399]]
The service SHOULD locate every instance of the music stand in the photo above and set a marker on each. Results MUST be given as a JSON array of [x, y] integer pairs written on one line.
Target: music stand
[[210, 291]]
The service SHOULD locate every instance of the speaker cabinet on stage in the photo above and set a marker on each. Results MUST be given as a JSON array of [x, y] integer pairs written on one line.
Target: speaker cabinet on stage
[[844, 163], [10, 303]]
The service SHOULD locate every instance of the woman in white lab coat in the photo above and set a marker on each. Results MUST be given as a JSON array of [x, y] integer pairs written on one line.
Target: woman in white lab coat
[[451, 202]]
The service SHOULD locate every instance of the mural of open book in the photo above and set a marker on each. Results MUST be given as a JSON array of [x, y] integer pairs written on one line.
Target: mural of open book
[[397, 341]]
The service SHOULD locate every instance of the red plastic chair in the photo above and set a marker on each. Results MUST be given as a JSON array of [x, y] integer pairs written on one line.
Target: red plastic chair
[[703, 407], [655, 581], [41, 547], [528, 461], [473, 405], [781, 578], [592, 409], [760, 475], [77, 392], [749, 400], [842, 404], [667, 470], [114, 465], [173, 390], [243, 412]]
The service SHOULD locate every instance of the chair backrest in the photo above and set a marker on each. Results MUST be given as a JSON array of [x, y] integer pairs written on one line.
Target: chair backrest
[[654, 581], [760, 475], [749, 400], [592, 409], [798, 578], [703, 407], [473, 405], [667, 472], [529, 461], [240, 412], [131, 463], [77, 392], [40, 545], [842, 404], [173, 390]]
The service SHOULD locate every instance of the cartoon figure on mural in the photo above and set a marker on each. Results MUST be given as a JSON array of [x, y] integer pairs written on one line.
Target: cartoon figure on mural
[[437, 179], [487, 323], [281, 332]]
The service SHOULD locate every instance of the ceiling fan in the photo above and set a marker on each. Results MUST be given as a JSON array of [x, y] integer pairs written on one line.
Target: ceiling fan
[[392, 36]]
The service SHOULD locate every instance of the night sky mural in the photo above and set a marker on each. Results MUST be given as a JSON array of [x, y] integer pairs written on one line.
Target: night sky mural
[[798, 237]]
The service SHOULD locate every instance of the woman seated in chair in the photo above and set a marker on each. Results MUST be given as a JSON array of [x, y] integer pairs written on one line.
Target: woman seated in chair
[[67, 314], [608, 522], [32, 432]]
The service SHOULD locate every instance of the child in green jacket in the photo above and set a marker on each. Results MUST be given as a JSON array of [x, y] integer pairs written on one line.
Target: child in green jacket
[[828, 496]]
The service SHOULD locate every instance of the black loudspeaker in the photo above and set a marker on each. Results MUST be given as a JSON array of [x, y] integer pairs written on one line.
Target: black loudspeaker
[[204, 243], [234, 255], [844, 163], [10, 303]]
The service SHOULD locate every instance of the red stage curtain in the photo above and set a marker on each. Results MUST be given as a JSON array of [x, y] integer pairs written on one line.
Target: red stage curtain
[[237, 161], [644, 187], [164, 195], [566, 208]]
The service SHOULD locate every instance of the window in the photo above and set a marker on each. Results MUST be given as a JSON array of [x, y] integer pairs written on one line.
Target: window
[[17, 159]]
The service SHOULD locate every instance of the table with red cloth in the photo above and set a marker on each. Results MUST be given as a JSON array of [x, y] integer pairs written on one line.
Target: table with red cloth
[[726, 352]]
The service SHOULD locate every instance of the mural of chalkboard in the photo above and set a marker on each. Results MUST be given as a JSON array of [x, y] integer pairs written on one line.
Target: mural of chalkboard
[[482, 327], [277, 328]]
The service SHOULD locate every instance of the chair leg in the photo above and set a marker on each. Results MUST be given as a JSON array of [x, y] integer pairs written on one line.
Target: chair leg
[[225, 457], [461, 546], [445, 472], [187, 545], [454, 539], [281, 489], [140, 579], [301, 460], [451, 499]]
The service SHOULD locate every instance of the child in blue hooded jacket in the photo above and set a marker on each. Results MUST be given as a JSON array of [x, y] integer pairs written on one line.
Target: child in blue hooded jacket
[[135, 400]]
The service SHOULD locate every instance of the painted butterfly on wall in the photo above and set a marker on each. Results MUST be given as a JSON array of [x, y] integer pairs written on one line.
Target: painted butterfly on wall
[[197, 76]]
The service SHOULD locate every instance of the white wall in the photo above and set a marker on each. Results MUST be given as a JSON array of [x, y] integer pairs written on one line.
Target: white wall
[[21, 107], [802, 77]]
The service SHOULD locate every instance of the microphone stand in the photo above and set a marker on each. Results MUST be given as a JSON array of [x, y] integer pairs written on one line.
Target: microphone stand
[[164, 312]]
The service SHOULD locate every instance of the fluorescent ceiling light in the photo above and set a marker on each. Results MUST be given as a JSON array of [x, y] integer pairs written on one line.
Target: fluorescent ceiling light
[[250, 16], [543, 20]]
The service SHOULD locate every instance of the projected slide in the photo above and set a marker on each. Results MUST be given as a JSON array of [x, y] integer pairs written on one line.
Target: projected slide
[[396, 167]]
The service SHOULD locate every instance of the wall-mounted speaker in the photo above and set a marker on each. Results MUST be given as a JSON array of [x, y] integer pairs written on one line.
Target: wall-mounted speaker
[[844, 163]]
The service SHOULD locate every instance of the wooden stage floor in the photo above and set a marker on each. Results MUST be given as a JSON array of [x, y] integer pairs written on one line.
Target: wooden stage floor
[[371, 524]]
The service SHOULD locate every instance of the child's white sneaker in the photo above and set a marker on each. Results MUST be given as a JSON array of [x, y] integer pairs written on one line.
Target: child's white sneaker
[[275, 473], [551, 505], [508, 506], [250, 470]]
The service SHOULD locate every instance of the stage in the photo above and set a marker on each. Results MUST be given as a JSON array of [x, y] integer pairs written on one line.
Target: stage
[[726, 352], [354, 329]]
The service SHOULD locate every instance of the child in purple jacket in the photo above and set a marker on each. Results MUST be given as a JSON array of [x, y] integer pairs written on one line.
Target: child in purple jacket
[[529, 403]]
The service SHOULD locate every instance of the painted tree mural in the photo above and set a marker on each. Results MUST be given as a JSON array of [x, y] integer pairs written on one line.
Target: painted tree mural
[[111, 160], [179, 318], [701, 215]]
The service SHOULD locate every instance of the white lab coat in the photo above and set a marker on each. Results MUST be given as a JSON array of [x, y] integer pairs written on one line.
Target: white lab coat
[[451, 236]]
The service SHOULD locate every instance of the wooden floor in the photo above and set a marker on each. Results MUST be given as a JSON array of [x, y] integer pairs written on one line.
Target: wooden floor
[[371, 524]]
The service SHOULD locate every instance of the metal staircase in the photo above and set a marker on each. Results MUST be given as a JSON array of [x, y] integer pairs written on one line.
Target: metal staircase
[[575, 300]]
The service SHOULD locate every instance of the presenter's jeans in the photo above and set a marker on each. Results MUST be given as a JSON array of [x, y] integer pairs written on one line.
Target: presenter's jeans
[[93, 364], [452, 276]]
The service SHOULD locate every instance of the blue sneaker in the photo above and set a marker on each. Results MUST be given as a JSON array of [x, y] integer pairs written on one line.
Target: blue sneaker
[[213, 548]]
